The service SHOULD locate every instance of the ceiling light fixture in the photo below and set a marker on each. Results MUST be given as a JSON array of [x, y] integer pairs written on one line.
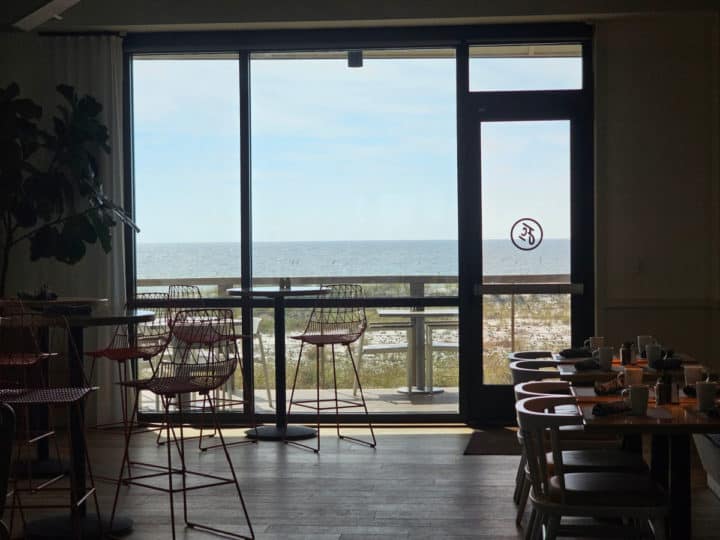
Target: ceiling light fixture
[[51, 10]]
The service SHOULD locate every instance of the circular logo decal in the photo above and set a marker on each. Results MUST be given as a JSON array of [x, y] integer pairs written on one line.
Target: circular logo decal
[[526, 234]]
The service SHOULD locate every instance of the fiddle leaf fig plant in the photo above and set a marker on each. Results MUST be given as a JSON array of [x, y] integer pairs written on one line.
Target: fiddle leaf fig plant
[[51, 193]]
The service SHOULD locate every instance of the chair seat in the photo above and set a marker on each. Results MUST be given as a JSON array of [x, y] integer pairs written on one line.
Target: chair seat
[[23, 359], [602, 459], [327, 339], [127, 353], [607, 489], [44, 396]]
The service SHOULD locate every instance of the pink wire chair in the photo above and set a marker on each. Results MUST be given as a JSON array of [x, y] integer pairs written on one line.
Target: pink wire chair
[[205, 356], [333, 326]]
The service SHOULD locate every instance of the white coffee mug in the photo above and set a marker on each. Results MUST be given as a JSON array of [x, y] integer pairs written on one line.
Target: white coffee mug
[[594, 342], [637, 395], [605, 357], [705, 395], [693, 374], [633, 375], [642, 341]]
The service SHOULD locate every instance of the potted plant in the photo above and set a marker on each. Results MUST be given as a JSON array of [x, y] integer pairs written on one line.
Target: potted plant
[[51, 192]]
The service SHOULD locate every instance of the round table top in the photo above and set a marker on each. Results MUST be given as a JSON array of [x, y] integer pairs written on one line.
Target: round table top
[[272, 291], [109, 315]]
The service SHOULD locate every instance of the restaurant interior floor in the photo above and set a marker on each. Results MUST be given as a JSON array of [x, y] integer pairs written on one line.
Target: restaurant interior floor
[[416, 484]]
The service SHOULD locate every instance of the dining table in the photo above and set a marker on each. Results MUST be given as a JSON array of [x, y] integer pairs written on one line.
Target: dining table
[[670, 427], [61, 526], [419, 368], [281, 430]]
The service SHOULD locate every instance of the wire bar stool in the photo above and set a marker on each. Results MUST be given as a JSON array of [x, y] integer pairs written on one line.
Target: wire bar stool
[[205, 357], [333, 326], [72, 399], [144, 341], [225, 396]]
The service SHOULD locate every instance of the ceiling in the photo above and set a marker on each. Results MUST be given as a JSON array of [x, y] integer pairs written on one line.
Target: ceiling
[[164, 15]]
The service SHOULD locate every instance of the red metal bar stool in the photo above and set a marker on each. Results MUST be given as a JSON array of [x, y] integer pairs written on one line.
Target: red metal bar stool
[[333, 326], [144, 341], [224, 397], [72, 400], [205, 356]]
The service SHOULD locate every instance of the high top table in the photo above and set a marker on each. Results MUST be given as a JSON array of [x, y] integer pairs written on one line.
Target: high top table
[[281, 430], [61, 526]]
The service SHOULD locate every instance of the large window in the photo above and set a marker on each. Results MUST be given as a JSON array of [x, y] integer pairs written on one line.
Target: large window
[[330, 162], [186, 149], [354, 177]]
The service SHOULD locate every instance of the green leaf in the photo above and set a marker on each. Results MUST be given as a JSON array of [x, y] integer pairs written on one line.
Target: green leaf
[[27, 108], [43, 243], [25, 214], [68, 92]]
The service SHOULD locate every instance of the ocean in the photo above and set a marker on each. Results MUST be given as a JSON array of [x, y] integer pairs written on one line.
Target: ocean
[[355, 258]]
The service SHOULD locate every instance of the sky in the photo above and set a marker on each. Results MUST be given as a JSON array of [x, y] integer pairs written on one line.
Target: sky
[[339, 153]]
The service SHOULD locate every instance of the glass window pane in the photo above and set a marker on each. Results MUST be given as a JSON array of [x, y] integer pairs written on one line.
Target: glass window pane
[[186, 157], [354, 178], [526, 201], [525, 67]]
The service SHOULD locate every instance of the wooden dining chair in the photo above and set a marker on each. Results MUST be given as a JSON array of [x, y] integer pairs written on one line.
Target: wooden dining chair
[[579, 453], [529, 355], [533, 370], [556, 492]]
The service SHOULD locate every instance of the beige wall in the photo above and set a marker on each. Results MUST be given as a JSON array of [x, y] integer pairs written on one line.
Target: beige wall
[[657, 234]]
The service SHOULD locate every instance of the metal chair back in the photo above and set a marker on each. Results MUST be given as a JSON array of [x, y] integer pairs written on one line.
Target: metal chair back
[[349, 322], [205, 354]]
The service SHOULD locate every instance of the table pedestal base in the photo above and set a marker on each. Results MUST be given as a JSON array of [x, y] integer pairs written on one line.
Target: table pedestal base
[[420, 390], [61, 528], [274, 433]]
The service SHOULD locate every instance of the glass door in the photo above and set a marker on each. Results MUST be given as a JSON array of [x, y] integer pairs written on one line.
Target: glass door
[[526, 227]]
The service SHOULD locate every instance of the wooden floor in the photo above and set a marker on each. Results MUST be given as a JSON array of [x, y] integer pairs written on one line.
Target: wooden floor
[[416, 484]]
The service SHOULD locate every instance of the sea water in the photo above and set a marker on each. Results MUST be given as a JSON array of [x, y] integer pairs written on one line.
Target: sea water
[[352, 258]]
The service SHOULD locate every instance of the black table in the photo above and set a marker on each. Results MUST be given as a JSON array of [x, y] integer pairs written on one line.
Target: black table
[[281, 430], [61, 526]]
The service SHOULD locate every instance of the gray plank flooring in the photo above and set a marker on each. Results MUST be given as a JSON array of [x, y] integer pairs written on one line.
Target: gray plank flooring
[[416, 484]]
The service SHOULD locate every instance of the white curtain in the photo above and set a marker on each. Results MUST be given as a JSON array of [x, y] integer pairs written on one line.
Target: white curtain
[[94, 66]]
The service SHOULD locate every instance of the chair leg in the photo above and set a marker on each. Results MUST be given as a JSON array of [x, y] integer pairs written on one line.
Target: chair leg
[[359, 362], [530, 524], [519, 476], [297, 369], [217, 427], [125, 459], [166, 406], [659, 525], [524, 494], [337, 408], [364, 405], [553, 527], [265, 369]]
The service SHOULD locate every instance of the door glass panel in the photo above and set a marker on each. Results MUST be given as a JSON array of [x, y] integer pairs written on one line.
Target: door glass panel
[[526, 237], [526, 67], [354, 178]]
